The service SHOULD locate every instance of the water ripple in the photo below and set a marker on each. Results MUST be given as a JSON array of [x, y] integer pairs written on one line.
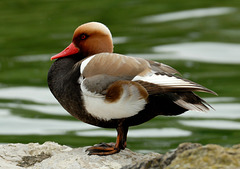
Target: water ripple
[[187, 14]]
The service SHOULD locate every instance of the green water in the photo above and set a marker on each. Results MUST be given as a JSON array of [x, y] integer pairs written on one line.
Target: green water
[[37, 29]]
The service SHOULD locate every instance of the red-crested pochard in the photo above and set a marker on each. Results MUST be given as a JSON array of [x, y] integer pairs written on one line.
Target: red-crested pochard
[[111, 90]]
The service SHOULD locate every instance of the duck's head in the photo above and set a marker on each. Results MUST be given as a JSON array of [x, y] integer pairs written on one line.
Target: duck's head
[[89, 39]]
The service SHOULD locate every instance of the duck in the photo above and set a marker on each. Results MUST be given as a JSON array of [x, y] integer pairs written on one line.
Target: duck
[[112, 90]]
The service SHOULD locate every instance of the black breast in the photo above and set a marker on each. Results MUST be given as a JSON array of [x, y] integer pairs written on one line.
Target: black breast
[[63, 83]]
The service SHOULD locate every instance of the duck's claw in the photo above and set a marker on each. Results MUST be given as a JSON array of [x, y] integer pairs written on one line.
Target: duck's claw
[[103, 149]]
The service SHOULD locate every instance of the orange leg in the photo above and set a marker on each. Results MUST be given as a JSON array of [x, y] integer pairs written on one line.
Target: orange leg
[[108, 149]]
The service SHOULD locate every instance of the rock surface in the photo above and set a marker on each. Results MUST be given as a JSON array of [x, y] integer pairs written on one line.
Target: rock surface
[[51, 155], [54, 156]]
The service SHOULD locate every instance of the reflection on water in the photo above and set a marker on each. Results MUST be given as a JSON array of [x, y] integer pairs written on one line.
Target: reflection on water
[[33, 58], [119, 40], [47, 109], [15, 125], [188, 14], [33, 94], [201, 51], [212, 124], [223, 110], [44, 102], [9, 122], [221, 53], [152, 132]]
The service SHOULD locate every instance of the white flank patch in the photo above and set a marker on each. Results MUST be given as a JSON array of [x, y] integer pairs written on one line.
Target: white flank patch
[[164, 80], [128, 105], [188, 14], [85, 62]]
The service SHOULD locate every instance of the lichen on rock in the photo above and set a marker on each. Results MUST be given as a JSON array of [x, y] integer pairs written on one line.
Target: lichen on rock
[[28, 161], [213, 156]]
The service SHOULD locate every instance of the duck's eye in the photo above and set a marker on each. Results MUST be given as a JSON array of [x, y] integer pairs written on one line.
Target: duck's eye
[[83, 36]]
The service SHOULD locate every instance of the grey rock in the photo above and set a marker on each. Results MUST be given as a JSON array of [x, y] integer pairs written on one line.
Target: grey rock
[[164, 160], [208, 157], [195, 156], [51, 155]]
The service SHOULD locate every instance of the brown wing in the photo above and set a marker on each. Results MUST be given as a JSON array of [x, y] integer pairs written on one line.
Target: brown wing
[[101, 70], [160, 67], [114, 65]]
